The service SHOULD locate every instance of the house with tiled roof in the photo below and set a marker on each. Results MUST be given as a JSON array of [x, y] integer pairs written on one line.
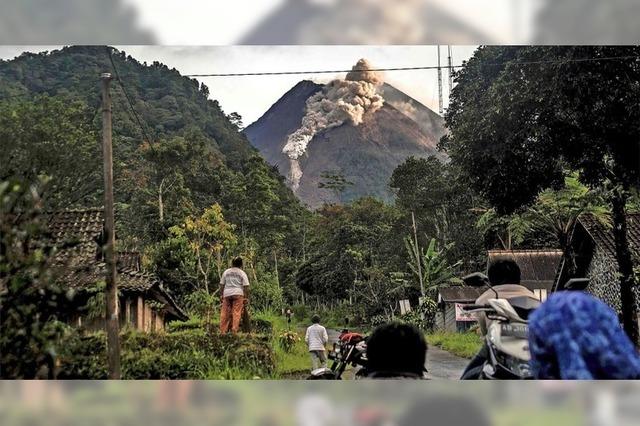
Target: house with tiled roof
[[593, 256], [79, 266]]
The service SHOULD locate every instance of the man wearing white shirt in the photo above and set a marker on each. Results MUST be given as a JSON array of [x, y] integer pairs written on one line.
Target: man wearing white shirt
[[316, 339]]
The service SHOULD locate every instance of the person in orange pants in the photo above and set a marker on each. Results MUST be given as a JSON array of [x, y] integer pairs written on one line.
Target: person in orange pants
[[234, 294]]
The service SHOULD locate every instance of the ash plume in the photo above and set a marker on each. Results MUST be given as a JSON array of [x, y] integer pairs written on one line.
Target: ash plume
[[339, 102]]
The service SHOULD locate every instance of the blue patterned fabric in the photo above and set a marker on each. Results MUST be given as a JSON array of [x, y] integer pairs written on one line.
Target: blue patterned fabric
[[573, 335]]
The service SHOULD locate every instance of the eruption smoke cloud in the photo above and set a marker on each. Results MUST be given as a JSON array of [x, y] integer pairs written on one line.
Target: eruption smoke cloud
[[338, 102]]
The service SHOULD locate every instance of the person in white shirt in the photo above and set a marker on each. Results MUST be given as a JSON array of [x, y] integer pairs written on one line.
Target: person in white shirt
[[234, 295], [316, 339]]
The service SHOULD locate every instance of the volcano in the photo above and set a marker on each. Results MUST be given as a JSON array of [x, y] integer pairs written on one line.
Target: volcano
[[364, 154]]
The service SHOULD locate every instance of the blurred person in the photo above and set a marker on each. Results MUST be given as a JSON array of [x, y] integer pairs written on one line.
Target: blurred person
[[396, 350], [234, 296], [575, 336], [314, 409], [444, 410], [317, 338]]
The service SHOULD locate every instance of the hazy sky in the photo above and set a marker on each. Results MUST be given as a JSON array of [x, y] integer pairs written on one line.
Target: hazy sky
[[252, 96], [207, 22]]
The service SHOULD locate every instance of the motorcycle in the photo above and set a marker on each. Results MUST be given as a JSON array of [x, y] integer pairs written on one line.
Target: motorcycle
[[350, 349], [504, 322]]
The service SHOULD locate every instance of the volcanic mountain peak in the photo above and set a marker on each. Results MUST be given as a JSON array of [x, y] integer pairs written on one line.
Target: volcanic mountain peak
[[365, 153]]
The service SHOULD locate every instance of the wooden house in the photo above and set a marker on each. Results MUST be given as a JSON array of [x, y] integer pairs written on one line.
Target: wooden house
[[144, 304], [593, 256], [450, 316]]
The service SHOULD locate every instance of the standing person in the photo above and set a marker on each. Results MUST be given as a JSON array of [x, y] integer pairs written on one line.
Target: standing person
[[317, 338], [234, 295], [289, 314]]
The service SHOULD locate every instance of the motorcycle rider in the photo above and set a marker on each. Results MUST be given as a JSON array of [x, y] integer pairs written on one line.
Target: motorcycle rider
[[504, 276]]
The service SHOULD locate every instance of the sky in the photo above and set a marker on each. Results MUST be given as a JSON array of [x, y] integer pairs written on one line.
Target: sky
[[252, 96]]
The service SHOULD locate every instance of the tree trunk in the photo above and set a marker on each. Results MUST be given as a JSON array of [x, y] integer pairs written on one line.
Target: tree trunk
[[625, 266], [160, 202]]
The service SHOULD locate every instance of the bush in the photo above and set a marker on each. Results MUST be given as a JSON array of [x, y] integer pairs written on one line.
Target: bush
[[191, 324], [378, 320], [288, 340], [261, 326], [187, 354], [301, 312], [266, 294]]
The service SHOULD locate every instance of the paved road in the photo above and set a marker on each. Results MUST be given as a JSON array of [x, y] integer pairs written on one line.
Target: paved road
[[440, 364], [443, 365]]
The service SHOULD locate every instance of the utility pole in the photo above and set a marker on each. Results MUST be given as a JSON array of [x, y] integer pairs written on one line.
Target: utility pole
[[419, 260], [450, 70], [440, 101], [111, 291]]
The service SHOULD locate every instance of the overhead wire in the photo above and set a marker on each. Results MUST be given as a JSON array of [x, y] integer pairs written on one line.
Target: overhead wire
[[134, 113], [417, 68]]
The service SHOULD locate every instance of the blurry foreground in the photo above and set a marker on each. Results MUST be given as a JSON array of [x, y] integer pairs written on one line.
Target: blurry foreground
[[319, 22], [295, 403]]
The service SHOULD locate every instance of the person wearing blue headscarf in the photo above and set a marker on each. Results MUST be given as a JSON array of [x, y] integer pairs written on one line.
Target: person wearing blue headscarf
[[575, 336]]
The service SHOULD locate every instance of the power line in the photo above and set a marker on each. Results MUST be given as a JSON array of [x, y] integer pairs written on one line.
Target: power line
[[130, 102], [434, 67]]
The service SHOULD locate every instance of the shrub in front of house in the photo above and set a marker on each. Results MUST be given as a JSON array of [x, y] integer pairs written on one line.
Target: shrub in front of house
[[186, 354]]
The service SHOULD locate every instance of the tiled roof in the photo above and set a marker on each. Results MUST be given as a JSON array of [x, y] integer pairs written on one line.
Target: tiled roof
[[538, 268], [461, 293], [77, 234], [603, 237]]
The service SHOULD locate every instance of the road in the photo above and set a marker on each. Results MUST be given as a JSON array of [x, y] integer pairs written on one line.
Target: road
[[441, 365]]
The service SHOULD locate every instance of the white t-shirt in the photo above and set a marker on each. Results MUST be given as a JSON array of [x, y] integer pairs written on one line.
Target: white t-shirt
[[316, 337], [234, 281]]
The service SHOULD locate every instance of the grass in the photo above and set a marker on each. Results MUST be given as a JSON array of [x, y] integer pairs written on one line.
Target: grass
[[464, 345], [295, 362]]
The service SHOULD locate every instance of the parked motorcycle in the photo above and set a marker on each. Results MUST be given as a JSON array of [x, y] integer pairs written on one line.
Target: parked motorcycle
[[350, 349], [503, 320]]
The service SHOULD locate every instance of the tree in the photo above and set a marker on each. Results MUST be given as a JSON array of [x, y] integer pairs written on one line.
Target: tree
[[30, 301], [208, 237], [334, 182], [52, 137], [521, 116], [443, 205], [436, 270]]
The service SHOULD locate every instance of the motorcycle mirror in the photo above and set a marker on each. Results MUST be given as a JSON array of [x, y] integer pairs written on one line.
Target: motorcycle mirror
[[576, 284], [477, 279]]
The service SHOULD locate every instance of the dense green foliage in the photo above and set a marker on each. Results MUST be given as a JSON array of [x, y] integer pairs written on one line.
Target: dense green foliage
[[520, 117], [188, 354], [31, 304]]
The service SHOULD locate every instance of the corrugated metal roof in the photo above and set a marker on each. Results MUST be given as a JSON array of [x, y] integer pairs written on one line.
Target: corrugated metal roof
[[461, 293], [538, 268]]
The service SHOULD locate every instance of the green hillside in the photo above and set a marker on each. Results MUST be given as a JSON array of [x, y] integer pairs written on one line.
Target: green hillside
[[184, 142]]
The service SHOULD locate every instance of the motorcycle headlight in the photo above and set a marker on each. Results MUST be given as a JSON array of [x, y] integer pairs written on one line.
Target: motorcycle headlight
[[515, 366]]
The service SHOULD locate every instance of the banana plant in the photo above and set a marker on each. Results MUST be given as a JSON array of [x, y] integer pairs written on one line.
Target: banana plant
[[436, 270]]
